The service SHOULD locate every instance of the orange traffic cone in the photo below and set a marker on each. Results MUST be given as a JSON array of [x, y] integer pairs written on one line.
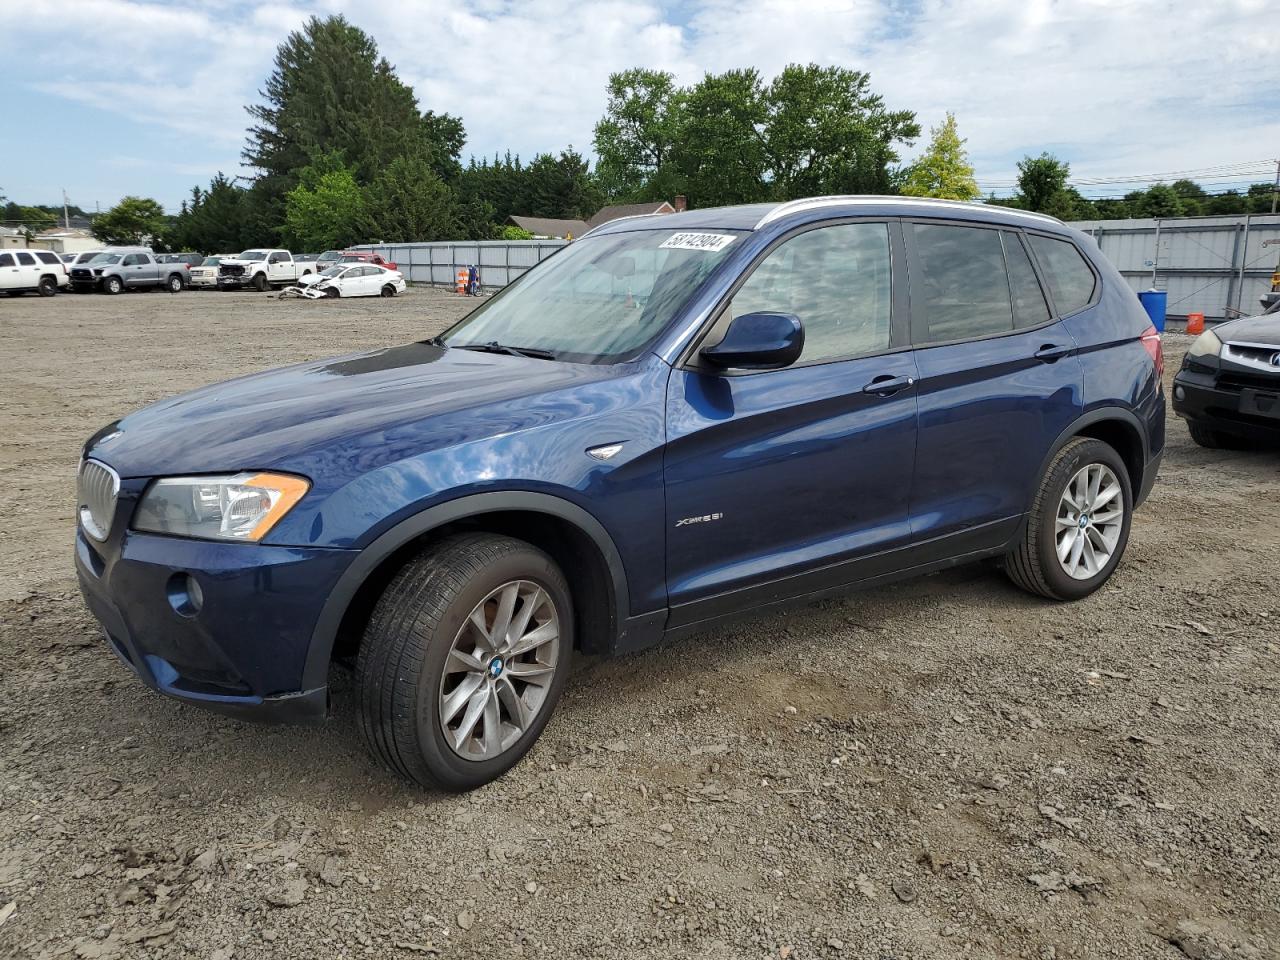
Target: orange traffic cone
[[461, 278], [1195, 323]]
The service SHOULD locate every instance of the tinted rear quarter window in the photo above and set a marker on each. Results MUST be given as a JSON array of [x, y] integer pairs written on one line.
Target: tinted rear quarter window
[[965, 285], [49, 257], [1029, 306], [1071, 281]]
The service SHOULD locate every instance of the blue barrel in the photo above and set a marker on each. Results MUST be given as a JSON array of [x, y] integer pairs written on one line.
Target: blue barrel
[[1155, 302]]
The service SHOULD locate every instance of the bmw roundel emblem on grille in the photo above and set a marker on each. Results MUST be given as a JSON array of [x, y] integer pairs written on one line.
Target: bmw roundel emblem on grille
[[1275, 359]]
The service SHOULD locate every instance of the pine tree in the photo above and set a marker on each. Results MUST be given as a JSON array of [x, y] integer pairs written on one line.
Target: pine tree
[[943, 170]]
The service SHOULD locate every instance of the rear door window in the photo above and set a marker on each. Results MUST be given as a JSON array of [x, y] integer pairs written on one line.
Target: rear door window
[[26, 259], [1071, 281], [1029, 306], [964, 286]]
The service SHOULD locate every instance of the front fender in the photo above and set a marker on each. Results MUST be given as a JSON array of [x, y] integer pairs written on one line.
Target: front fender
[[340, 597]]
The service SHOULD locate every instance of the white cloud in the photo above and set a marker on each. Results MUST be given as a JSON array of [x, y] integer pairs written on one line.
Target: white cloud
[[1113, 86]]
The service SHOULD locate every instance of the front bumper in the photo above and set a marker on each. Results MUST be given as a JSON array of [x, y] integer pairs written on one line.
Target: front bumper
[[242, 648], [1241, 405]]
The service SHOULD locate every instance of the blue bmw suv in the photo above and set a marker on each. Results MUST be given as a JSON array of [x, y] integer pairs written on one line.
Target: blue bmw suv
[[674, 420]]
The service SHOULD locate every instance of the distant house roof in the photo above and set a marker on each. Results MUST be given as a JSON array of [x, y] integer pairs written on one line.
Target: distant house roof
[[549, 227], [605, 214]]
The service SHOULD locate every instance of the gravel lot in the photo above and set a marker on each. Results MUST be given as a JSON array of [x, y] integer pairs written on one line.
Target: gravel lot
[[943, 768]]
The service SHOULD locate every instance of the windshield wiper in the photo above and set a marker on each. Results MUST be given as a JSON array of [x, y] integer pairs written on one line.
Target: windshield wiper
[[493, 346]]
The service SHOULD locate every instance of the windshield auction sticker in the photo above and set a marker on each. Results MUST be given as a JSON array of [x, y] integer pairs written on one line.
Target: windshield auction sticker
[[708, 242]]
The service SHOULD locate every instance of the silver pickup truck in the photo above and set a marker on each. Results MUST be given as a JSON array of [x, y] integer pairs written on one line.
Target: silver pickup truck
[[128, 268]]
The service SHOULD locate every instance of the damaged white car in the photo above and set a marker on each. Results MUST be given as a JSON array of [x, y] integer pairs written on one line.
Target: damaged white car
[[348, 280]]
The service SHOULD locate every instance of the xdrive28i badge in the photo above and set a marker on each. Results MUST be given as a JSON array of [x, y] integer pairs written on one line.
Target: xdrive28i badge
[[705, 518]]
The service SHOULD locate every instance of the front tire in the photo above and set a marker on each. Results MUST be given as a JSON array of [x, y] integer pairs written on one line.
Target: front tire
[[260, 282], [1211, 439], [1078, 526], [113, 285], [463, 660]]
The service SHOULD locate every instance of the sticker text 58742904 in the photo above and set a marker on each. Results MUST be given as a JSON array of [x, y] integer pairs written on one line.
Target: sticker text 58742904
[[708, 242]]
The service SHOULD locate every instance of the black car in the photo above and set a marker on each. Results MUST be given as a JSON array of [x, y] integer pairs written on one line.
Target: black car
[[1228, 389]]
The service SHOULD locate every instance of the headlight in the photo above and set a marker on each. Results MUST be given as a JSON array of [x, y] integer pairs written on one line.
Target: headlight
[[241, 507], [1206, 345]]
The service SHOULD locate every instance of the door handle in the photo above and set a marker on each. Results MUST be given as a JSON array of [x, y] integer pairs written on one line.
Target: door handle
[[886, 385], [1051, 352]]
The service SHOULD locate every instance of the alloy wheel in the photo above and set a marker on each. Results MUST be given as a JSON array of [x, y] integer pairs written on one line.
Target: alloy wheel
[[1089, 521], [499, 670]]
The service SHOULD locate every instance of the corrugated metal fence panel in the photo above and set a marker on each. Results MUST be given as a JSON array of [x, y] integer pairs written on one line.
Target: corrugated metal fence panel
[[1218, 266], [500, 261]]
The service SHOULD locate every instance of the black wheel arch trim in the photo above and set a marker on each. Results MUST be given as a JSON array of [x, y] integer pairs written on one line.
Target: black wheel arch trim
[[325, 632], [1098, 415]]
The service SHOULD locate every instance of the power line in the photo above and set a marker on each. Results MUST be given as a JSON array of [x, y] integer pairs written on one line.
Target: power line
[[1240, 169]]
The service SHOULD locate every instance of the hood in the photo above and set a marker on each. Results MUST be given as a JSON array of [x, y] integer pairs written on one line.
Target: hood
[[237, 262], [398, 402], [1264, 330]]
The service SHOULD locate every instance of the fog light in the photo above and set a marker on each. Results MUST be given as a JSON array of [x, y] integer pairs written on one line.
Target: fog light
[[1179, 393], [185, 595]]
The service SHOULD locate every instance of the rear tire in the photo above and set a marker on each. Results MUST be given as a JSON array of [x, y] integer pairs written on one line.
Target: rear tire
[[427, 666], [1212, 439], [48, 287], [1034, 565], [388, 290], [174, 283]]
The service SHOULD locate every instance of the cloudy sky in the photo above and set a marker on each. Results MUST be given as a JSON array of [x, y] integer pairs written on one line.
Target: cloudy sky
[[115, 97]]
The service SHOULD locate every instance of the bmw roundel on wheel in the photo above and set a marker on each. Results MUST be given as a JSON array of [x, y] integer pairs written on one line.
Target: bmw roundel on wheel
[[674, 420]]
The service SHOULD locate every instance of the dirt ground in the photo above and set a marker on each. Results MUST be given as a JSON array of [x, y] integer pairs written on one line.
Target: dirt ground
[[945, 768]]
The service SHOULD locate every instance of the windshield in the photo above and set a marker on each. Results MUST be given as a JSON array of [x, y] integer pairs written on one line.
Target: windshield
[[210, 261], [330, 255], [598, 300], [352, 258], [334, 271], [254, 255], [107, 258]]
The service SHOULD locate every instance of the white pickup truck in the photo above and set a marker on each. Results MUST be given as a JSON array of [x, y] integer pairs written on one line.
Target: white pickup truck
[[261, 269]]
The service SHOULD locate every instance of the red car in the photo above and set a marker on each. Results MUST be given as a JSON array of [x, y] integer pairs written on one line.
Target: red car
[[364, 256]]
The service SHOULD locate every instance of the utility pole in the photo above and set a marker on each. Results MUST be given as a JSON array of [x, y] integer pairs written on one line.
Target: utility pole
[[66, 217], [1275, 187]]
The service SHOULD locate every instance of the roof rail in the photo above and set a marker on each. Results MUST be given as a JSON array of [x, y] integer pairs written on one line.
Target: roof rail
[[813, 203]]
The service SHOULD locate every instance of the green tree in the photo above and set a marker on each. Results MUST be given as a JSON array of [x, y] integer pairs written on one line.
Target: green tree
[[1160, 200], [827, 133], [943, 170], [720, 154], [512, 232], [639, 129], [1193, 196], [134, 220], [331, 92], [326, 209], [561, 187], [408, 202], [212, 221], [1042, 187]]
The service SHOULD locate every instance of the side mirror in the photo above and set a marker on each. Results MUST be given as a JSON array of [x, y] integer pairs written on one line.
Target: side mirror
[[758, 341]]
